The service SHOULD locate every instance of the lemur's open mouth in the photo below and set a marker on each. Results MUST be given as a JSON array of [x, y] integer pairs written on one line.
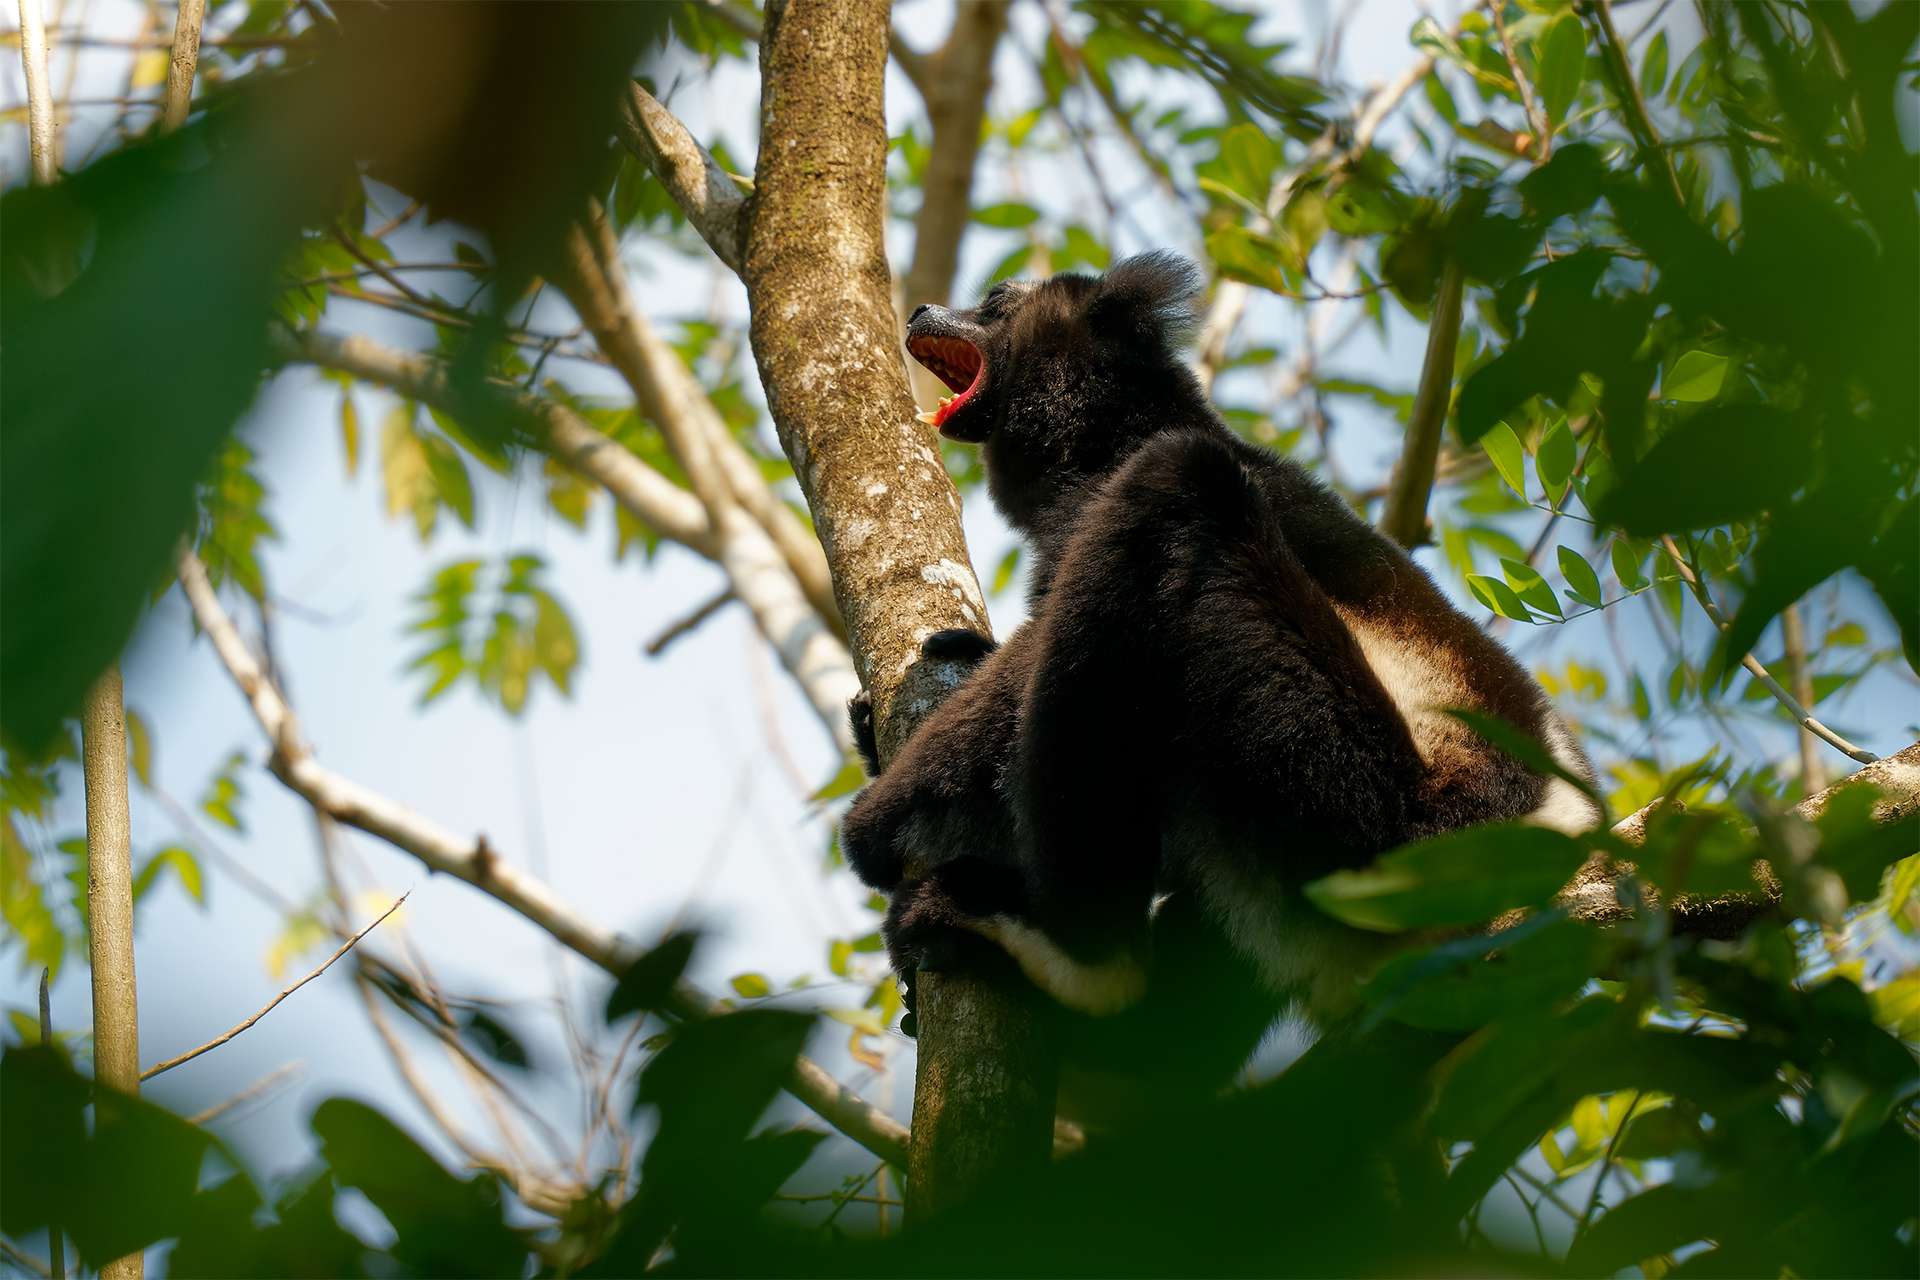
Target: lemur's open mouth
[[954, 361]]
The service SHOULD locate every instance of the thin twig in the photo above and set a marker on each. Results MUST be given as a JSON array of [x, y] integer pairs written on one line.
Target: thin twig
[[1813, 772], [182, 63], [42, 152], [261, 1086], [1536, 114], [25, 1260], [673, 631], [1627, 89], [56, 1238], [1404, 517], [477, 863], [1606, 1162], [268, 1007], [1793, 705]]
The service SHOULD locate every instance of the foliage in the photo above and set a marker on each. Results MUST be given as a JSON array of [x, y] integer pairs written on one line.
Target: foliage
[[1694, 320]]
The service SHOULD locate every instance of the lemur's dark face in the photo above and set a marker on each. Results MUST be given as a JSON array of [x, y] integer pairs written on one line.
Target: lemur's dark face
[[1046, 358]]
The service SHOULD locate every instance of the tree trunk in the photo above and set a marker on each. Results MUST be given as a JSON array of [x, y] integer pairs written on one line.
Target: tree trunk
[[825, 339]]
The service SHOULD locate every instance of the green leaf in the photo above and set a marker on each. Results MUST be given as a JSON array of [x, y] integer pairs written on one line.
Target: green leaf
[[751, 986], [648, 983], [1012, 214], [1469, 982], [1583, 584], [1695, 378], [1626, 564], [1503, 446], [1726, 462], [1560, 58], [851, 776], [1461, 878], [1554, 462], [184, 867], [1530, 586], [1653, 68], [1498, 596]]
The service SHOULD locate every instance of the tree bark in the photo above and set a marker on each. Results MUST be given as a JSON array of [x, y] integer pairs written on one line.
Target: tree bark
[[825, 339]]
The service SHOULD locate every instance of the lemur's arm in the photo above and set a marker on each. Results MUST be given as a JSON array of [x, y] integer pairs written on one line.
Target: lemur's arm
[[942, 780]]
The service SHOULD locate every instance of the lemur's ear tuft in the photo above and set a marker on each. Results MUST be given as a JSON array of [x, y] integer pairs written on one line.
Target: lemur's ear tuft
[[1150, 296]]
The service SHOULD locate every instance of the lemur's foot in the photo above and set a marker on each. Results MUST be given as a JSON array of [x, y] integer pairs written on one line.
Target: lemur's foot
[[860, 717]]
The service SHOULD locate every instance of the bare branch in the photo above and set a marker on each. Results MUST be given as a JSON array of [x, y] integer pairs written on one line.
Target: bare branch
[[56, 1238], [762, 573], [682, 626], [917, 66], [1404, 517], [477, 863], [182, 63], [270, 1005], [1793, 638], [1760, 673], [264, 1085], [711, 199], [42, 151]]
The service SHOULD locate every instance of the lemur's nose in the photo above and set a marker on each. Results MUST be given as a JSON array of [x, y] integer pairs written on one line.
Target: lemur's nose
[[916, 312]]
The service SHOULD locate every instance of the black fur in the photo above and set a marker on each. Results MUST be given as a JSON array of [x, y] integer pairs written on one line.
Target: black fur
[[1189, 717]]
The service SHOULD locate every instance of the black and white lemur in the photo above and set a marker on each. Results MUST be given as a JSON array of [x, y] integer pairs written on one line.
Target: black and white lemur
[[1230, 686]]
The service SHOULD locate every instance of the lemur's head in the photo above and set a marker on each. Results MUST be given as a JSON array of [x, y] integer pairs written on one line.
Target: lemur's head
[[1060, 379]]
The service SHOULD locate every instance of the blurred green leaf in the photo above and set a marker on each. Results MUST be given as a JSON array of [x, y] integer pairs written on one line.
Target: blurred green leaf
[[1583, 584], [1464, 877], [1695, 377], [1560, 62], [1503, 446]]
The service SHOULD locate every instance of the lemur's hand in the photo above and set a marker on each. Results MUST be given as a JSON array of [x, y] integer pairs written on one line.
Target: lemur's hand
[[957, 644]]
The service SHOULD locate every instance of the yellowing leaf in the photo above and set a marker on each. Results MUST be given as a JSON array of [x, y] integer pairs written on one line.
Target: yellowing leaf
[[149, 69], [751, 986]]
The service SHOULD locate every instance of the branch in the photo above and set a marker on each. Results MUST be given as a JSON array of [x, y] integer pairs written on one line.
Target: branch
[[1536, 115], [1591, 896], [1404, 517], [1760, 673], [263, 1085], [691, 622], [656, 501], [763, 574], [711, 199], [1626, 88], [477, 863], [269, 1006], [917, 66], [825, 340], [42, 152], [182, 63], [1793, 639]]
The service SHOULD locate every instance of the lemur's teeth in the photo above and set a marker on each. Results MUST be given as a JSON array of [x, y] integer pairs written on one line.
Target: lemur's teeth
[[929, 417]]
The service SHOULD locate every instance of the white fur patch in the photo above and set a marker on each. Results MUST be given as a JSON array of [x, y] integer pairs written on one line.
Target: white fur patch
[[1564, 807], [1097, 989], [1417, 686]]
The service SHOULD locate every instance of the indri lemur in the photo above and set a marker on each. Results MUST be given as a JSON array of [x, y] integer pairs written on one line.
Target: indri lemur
[[1231, 685]]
